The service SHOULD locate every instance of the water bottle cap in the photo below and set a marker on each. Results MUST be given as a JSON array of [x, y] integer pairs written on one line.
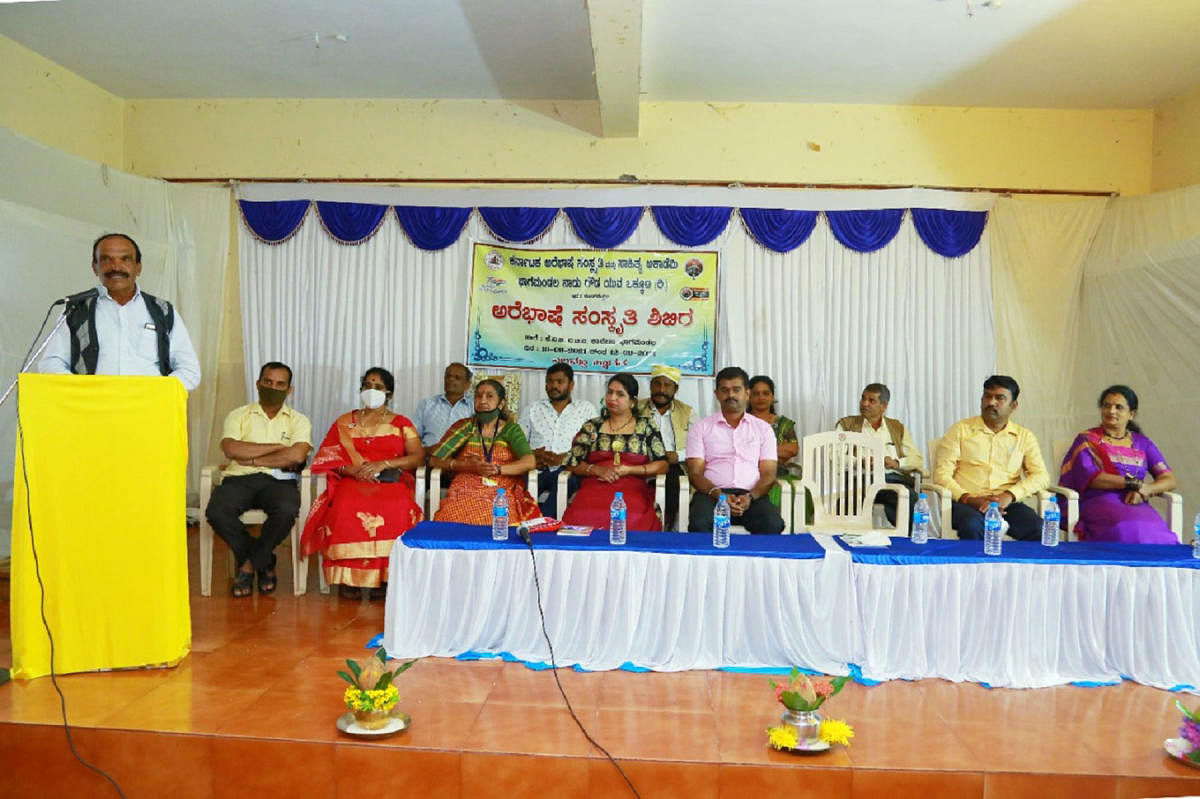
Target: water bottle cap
[[720, 498], [923, 495], [1053, 499], [618, 495], [500, 492], [993, 504]]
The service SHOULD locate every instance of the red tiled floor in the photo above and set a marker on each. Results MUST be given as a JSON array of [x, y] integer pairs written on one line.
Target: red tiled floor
[[252, 711]]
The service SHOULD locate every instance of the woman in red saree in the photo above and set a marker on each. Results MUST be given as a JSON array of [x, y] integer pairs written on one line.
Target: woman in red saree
[[616, 451], [368, 455]]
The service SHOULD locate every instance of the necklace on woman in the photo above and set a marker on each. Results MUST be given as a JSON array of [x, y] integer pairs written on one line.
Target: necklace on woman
[[359, 416], [1115, 439]]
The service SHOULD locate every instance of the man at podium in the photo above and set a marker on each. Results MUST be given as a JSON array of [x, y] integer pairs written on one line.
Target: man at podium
[[117, 329]]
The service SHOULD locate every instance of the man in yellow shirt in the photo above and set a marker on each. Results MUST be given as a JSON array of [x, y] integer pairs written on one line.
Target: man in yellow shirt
[[267, 443], [989, 458]]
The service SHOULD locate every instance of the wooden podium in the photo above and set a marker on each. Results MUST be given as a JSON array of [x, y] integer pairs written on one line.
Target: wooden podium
[[103, 480]]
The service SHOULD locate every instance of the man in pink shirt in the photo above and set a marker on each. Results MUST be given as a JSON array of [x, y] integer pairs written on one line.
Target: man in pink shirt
[[732, 453]]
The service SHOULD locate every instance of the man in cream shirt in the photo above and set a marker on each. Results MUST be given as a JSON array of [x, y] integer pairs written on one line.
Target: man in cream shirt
[[900, 454], [674, 419], [267, 443]]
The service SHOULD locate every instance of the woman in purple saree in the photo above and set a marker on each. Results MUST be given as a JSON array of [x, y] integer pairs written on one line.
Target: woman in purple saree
[[1116, 469]]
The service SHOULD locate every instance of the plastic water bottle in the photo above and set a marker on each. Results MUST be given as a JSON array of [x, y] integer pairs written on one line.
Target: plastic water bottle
[[616, 520], [1050, 524], [991, 530], [500, 516], [721, 523], [920, 523], [1196, 537]]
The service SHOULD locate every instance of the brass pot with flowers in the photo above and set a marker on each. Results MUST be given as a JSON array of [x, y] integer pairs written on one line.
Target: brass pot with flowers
[[372, 694], [803, 729]]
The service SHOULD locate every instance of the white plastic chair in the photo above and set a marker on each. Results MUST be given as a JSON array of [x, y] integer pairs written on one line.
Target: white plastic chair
[[844, 473], [1172, 501], [210, 477]]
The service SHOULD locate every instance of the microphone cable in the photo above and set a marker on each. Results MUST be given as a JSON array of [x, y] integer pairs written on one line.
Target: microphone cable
[[37, 571], [523, 532]]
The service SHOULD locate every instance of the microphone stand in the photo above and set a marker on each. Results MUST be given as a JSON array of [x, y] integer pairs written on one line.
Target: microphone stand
[[45, 342]]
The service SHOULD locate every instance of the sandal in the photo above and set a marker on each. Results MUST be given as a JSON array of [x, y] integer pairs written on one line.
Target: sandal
[[243, 584], [266, 580], [349, 592]]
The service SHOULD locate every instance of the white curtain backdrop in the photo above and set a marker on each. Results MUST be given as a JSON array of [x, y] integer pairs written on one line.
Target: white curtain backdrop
[[822, 320], [1140, 323], [52, 206]]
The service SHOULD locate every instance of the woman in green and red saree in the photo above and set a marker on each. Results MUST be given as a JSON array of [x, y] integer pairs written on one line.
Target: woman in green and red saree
[[368, 455], [485, 451]]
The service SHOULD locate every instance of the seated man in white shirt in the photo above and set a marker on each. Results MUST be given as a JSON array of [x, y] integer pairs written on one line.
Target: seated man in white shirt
[[550, 425], [118, 329], [900, 454], [674, 419]]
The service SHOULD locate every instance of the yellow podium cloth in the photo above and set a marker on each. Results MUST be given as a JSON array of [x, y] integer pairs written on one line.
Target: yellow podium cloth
[[106, 460]]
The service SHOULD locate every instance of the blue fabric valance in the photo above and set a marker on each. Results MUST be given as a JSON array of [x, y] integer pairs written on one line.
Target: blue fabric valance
[[949, 233], [518, 224], [350, 223], [691, 225], [274, 222], [430, 227], [605, 228], [865, 231], [778, 229]]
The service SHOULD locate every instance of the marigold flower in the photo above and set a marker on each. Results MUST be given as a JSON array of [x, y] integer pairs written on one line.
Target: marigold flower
[[836, 731], [782, 736]]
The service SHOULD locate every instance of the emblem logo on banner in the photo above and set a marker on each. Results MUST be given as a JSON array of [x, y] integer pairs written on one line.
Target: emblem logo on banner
[[598, 310]]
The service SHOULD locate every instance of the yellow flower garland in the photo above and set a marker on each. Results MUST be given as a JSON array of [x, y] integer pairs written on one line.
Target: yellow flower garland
[[357, 699]]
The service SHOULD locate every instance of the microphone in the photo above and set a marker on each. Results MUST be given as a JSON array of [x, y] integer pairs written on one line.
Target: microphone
[[523, 532], [71, 300]]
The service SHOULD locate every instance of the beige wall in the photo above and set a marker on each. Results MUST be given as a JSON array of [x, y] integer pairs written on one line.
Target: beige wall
[[747, 142], [43, 101], [1177, 142]]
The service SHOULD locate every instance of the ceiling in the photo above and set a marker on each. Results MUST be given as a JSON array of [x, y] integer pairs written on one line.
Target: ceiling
[[1025, 53]]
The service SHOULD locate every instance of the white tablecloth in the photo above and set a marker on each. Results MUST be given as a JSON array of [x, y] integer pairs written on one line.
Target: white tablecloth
[[1016, 624]]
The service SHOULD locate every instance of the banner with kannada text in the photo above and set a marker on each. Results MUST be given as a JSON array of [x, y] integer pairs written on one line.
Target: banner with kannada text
[[598, 310]]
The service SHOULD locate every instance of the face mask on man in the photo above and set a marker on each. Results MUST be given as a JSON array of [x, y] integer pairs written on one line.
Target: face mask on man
[[372, 398], [271, 397]]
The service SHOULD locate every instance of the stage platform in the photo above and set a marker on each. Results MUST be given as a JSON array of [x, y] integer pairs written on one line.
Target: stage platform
[[251, 711]]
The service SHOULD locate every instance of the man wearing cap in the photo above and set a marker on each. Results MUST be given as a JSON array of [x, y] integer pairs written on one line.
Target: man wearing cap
[[673, 418], [551, 425]]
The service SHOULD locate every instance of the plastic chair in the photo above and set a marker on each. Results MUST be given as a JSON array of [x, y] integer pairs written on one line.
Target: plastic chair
[[210, 477], [844, 473]]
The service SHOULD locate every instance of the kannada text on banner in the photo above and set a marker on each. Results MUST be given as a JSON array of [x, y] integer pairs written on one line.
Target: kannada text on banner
[[598, 310]]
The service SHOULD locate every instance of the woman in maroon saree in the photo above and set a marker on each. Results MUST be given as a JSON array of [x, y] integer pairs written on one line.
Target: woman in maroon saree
[[616, 451], [1116, 469], [368, 456]]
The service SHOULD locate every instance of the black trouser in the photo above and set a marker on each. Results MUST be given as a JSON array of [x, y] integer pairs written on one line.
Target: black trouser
[[761, 517], [547, 484], [888, 500], [279, 499], [1024, 524], [674, 474]]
